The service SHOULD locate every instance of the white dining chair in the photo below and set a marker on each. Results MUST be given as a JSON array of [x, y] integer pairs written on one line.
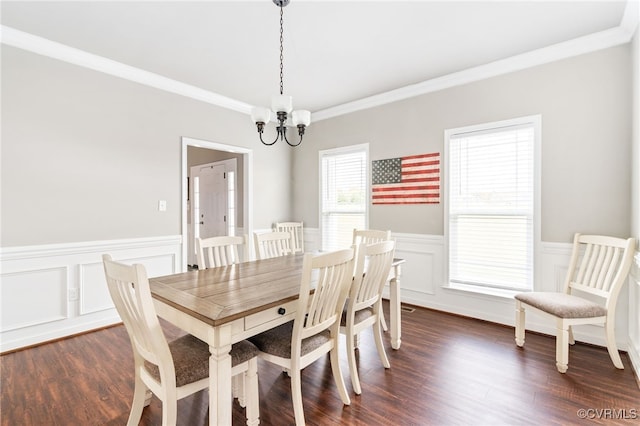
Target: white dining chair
[[370, 236], [363, 309], [297, 234], [315, 331], [222, 251], [597, 271], [176, 369], [272, 244]]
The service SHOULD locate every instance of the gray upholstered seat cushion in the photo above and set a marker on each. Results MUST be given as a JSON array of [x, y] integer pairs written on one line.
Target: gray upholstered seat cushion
[[191, 358], [562, 305], [277, 341], [243, 351], [359, 316]]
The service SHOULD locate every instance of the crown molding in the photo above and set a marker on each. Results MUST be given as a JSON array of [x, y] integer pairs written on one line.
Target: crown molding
[[578, 46], [621, 34], [630, 18], [42, 46]]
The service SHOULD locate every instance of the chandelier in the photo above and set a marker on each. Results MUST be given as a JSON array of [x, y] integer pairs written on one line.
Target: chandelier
[[281, 104]]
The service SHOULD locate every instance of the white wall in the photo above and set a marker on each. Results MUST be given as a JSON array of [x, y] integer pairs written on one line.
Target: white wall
[[586, 131], [86, 156]]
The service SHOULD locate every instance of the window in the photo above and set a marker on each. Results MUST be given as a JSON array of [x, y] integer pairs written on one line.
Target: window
[[343, 195], [492, 203]]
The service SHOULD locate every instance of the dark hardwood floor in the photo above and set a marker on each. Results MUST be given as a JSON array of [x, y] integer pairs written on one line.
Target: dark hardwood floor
[[450, 370]]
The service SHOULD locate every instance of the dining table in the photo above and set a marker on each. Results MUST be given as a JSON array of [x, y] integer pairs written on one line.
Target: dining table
[[227, 304]]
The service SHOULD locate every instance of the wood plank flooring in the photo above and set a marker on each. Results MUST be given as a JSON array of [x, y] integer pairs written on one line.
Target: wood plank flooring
[[450, 370]]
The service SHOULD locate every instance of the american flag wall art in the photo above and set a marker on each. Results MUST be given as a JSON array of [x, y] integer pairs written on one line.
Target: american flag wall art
[[414, 179]]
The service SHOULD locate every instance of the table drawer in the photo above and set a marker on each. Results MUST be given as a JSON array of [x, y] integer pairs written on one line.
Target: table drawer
[[277, 313]]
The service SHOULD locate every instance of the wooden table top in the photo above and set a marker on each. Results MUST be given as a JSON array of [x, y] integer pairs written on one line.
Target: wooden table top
[[220, 295]]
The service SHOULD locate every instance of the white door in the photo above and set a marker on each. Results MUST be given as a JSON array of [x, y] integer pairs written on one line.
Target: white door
[[212, 197], [212, 206]]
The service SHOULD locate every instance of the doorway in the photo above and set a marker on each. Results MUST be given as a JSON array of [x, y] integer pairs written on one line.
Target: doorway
[[243, 199], [212, 206]]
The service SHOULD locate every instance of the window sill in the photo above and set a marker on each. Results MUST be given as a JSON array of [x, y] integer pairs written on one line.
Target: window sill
[[496, 292]]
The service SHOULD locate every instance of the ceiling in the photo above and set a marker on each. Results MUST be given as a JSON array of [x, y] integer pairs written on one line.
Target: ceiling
[[335, 52]]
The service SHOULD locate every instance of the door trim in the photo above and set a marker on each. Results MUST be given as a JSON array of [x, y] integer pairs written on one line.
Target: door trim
[[247, 193]]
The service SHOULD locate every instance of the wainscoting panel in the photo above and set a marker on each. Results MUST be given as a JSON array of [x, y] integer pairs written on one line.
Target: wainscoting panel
[[94, 294], [53, 291], [423, 254], [20, 306]]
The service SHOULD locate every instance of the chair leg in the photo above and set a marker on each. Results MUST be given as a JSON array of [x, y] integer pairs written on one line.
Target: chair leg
[[252, 393], [382, 320], [611, 344], [239, 389], [562, 346], [138, 404], [519, 324], [337, 374], [572, 341], [353, 368], [377, 334], [296, 397], [169, 412]]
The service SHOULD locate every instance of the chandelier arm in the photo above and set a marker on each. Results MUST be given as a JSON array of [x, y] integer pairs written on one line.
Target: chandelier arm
[[269, 144], [287, 140]]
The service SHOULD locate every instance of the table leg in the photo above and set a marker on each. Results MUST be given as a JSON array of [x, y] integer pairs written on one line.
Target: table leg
[[395, 320], [220, 387]]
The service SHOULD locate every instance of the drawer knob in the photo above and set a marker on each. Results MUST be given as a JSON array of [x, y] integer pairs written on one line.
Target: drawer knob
[[282, 311]]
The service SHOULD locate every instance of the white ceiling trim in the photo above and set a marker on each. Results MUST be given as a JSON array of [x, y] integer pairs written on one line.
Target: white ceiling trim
[[590, 43], [52, 49]]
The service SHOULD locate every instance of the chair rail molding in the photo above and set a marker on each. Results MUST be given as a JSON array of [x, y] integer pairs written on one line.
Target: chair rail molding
[[52, 291]]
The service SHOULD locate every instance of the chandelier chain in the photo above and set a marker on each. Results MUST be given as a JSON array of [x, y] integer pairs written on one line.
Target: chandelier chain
[[281, 50]]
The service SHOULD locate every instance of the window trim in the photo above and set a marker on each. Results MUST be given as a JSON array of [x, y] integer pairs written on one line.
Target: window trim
[[339, 151], [536, 121]]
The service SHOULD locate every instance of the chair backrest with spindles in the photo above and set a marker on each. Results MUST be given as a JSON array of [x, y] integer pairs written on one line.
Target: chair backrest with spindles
[[331, 275], [297, 234], [372, 272], [272, 244], [369, 236], [222, 251], [599, 265], [131, 295]]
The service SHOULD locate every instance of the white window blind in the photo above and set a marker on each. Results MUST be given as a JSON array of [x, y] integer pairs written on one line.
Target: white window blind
[[343, 178], [491, 206]]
